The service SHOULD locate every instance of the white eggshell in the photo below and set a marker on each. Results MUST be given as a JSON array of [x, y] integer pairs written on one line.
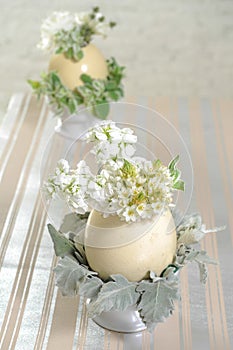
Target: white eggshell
[[93, 63], [114, 247]]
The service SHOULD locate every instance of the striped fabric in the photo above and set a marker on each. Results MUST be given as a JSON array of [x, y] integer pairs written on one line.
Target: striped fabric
[[33, 314]]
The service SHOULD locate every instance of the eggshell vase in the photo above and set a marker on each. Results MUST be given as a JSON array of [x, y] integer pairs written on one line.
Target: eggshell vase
[[115, 247]]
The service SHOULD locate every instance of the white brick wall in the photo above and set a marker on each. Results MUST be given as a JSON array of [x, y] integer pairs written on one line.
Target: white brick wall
[[170, 47]]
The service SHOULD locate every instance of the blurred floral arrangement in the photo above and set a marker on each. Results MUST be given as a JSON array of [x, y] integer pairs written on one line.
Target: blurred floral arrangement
[[134, 189], [68, 34]]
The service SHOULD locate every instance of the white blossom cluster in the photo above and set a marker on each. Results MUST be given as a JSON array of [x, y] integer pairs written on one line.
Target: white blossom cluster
[[129, 187], [65, 22], [111, 142], [65, 184]]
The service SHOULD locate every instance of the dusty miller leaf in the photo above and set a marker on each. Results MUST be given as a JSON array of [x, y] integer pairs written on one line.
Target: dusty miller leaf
[[69, 274], [171, 274], [157, 301], [116, 295], [203, 272], [187, 254], [191, 230], [62, 245], [154, 277], [90, 287], [203, 257], [200, 256], [73, 223], [81, 257], [191, 237]]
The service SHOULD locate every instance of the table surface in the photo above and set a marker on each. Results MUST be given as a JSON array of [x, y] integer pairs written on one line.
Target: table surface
[[33, 314]]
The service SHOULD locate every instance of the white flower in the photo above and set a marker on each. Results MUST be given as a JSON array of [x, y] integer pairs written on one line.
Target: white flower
[[111, 141], [101, 28], [128, 151], [115, 135], [62, 167], [127, 137], [51, 26], [81, 17], [130, 214], [79, 205], [145, 211], [101, 136]]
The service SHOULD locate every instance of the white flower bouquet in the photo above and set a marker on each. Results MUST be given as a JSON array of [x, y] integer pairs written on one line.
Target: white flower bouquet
[[134, 191], [132, 188]]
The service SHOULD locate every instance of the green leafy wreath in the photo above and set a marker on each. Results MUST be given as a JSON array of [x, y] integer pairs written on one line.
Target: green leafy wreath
[[154, 297], [95, 94]]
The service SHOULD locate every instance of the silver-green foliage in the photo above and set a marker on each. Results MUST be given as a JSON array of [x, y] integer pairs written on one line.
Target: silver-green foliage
[[157, 301], [154, 298], [117, 294]]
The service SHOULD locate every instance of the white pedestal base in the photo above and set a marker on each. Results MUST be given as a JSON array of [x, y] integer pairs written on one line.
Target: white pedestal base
[[75, 125]]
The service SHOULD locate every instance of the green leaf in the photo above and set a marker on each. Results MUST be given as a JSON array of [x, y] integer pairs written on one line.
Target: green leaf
[[175, 173], [157, 301], [34, 84], [86, 78], [59, 50], [54, 78], [179, 185], [94, 93], [110, 85], [69, 53], [112, 24], [69, 275], [113, 95], [116, 295], [62, 245], [172, 164], [79, 55], [101, 110], [72, 107]]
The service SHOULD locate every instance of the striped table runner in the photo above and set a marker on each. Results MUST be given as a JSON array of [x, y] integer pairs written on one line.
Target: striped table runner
[[33, 314]]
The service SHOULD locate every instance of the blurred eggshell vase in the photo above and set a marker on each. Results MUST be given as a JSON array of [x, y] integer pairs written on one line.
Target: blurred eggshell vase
[[93, 63]]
